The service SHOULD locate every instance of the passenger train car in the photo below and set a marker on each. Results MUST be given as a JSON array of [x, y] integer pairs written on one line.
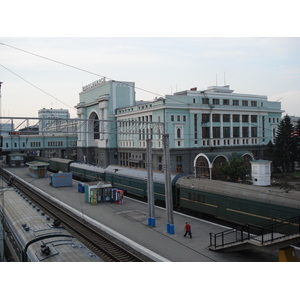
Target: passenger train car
[[31, 236], [235, 202], [132, 181]]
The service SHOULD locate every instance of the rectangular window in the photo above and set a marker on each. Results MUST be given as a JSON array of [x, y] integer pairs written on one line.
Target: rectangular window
[[236, 118], [216, 132], [226, 132], [205, 118], [245, 131], [205, 100], [245, 103], [205, 133], [254, 103], [245, 118], [236, 132], [184, 118], [235, 102], [172, 118], [178, 118], [226, 118], [216, 118], [216, 101], [254, 131], [225, 101], [253, 118]]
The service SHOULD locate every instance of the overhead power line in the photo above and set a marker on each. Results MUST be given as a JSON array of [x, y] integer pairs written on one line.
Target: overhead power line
[[36, 86]]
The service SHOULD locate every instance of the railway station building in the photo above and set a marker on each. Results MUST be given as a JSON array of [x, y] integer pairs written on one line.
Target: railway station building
[[206, 121]]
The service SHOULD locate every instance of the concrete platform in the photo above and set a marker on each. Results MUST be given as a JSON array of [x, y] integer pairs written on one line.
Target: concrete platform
[[129, 222]]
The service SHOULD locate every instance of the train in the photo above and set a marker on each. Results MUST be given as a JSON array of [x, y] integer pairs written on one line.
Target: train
[[30, 235], [238, 203]]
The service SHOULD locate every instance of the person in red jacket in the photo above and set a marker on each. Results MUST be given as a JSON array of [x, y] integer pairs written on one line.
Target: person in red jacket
[[188, 229]]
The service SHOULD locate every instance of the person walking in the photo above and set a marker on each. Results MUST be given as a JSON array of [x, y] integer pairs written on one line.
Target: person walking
[[188, 229]]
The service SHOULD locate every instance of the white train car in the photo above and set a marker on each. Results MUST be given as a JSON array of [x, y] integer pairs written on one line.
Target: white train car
[[31, 235]]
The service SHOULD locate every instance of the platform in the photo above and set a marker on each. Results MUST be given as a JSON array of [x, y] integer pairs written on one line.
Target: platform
[[129, 222]]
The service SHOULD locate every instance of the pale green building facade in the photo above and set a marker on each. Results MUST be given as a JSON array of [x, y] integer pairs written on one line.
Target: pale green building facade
[[213, 120]]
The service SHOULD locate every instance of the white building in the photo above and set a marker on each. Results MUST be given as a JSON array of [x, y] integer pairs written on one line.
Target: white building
[[51, 117]]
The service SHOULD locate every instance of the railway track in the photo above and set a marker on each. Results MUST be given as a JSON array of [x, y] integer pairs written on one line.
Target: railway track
[[105, 246]]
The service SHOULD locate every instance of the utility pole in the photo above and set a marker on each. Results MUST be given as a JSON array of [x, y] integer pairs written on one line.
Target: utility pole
[[150, 190], [168, 187]]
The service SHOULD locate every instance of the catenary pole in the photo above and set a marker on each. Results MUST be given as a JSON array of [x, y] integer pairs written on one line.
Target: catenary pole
[[168, 189], [150, 190]]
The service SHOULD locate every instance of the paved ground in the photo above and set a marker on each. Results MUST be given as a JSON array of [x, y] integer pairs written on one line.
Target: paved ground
[[130, 223]]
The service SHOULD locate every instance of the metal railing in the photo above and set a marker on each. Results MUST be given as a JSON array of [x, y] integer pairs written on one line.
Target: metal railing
[[262, 233]]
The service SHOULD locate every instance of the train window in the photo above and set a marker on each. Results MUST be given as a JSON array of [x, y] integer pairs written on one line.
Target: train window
[[201, 198]]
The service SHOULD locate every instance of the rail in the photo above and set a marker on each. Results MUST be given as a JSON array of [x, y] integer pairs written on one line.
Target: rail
[[102, 244], [262, 234]]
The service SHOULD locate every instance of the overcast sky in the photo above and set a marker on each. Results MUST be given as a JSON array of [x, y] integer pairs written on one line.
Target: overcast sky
[[159, 65]]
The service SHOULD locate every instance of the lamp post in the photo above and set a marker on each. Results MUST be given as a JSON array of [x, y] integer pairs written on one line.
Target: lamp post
[[168, 187], [150, 193]]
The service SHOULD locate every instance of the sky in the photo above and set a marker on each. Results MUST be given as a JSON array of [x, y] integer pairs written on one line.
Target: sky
[[158, 66], [163, 50]]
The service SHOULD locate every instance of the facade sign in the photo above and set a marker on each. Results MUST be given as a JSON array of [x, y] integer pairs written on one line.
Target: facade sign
[[93, 84]]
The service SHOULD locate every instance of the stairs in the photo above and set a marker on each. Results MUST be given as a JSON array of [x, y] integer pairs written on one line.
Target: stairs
[[275, 234]]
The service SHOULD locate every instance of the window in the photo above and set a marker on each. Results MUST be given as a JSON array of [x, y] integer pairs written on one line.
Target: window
[[225, 101], [216, 118], [245, 131], [216, 132], [235, 102], [236, 132], [226, 118], [178, 118], [194, 100], [216, 101], [245, 103], [254, 131], [205, 100], [236, 118], [184, 118], [254, 119], [254, 103], [226, 132], [205, 133], [178, 133], [205, 118], [245, 118], [172, 118]]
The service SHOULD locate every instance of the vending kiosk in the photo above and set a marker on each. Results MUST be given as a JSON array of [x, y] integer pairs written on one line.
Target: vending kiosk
[[95, 193]]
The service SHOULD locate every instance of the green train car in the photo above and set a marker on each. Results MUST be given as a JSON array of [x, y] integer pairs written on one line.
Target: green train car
[[236, 202], [84, 172], [59, 164]]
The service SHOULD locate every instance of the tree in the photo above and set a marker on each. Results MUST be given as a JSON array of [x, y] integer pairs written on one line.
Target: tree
[[235, 168], [285, 146], [297, 140]]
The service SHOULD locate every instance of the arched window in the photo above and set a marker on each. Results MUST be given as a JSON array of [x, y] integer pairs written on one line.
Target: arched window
[[178, 133]]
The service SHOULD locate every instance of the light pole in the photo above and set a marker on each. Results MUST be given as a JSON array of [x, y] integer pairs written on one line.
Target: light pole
[[150, 192], [168, 187]]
